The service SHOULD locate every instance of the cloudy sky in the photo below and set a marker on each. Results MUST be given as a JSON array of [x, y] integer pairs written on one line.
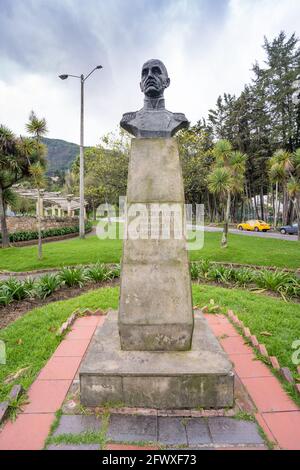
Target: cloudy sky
[[208, 47]]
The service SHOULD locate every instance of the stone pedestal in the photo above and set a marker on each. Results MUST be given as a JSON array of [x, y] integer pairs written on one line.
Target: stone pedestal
[[150, 354], [155, 310], [201, 377]]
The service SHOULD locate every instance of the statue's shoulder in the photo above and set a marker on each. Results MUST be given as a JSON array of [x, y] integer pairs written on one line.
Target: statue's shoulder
[[128, 116], [180, 117]]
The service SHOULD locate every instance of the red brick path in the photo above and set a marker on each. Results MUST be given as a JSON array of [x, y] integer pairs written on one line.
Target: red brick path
[[276, 413]]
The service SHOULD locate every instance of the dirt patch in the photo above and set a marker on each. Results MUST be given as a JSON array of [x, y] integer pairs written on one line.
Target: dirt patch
[[18, 309]]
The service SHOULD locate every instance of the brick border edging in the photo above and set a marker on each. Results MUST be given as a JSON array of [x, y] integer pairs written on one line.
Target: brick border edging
[[272, 361], [77, 313], [14, 394]]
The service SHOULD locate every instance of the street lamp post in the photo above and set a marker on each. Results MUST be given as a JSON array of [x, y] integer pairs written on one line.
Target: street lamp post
[[82, 79]]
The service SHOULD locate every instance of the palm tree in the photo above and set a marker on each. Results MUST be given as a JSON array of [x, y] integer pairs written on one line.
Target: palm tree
[[37, 128], [37, 172], [281, 167], [8, 148], [276, 175], [227, 178], [293, 187]]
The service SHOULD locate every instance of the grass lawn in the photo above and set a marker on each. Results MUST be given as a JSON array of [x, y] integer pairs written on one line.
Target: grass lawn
[[31, 340], [241, 249]]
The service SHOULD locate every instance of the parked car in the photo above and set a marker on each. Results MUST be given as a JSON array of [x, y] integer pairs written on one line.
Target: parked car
[[291, 229], [254, 225]]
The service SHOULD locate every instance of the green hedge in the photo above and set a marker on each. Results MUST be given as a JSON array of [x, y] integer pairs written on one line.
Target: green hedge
[[51, 232]]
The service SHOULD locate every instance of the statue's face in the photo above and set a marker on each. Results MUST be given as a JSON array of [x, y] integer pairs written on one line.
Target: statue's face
[[154, 79]]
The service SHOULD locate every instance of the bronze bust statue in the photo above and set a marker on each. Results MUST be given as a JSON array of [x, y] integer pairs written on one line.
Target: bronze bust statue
[[154, 120]]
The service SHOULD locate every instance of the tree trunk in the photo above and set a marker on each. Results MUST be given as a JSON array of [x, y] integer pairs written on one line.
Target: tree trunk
[[289, 215], [226, 222], [4, 231], [297, 210], [40, 254], [255, 206], [276, 205], [262, 206], [285, 206]]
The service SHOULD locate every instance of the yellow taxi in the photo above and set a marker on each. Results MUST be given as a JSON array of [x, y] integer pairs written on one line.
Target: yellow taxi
[[254, 225]]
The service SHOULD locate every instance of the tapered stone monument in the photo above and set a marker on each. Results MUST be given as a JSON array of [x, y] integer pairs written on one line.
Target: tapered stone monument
[[155, 352]]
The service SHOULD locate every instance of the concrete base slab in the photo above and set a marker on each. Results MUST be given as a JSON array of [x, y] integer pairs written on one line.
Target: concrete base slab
[[201, 377]]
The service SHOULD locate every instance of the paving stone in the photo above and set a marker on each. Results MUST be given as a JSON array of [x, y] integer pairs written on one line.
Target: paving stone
[[287, 375], [128, 428], [247, 332], [263, 350], [259, 418], [233, 431], [72, 347], [274, 362], [15, 392], [235, 345], [46, 396], [81, 332], [87, 321], [128, 447], [197, 431], [27, 432], [171, 431], [76, 424], [222, 330], [268, 395], [3, 410], [246, 365], [286, 428], [74, 447], [60, 368], [254, 341]]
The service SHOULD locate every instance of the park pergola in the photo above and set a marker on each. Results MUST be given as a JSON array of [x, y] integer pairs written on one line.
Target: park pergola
[[52, 203]]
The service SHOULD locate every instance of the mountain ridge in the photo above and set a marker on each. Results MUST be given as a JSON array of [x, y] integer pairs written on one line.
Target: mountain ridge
[[61, 154]]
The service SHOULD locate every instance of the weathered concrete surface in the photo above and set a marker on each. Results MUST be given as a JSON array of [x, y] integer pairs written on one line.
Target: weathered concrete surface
[[154, 172], [201, 377], [155, 309]]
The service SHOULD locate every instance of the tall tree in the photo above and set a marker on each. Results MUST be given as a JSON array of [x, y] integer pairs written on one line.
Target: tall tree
[[38, 128], [226, 178], [15, 162], [37, 173]]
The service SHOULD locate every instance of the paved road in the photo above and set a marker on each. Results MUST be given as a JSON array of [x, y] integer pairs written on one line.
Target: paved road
[[255, 234], [232, 230]]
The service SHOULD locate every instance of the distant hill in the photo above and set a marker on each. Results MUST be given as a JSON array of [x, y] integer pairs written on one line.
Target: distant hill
[[61, 154]]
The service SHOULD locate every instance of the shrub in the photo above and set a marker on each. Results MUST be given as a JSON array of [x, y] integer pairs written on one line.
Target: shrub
[[50, 232], [220, 274], [46, 285], [195, 271], [272, 280], [5, 295], [72, 276], [17, 289], [115, 271], [97, 273], [243, 276], [204, 267]]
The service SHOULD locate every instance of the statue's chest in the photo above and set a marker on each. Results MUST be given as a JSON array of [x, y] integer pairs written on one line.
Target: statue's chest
[[153, 120]]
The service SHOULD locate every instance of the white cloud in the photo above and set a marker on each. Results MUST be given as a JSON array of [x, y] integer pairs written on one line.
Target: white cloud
[[208, 48]]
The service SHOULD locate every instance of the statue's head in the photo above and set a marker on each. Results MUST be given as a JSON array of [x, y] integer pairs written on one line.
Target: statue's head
[[154, 78]]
